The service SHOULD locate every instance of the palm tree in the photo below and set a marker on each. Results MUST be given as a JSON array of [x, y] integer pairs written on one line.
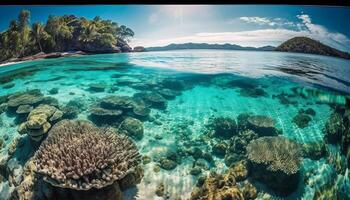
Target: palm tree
[[24, 30], [38, 33]]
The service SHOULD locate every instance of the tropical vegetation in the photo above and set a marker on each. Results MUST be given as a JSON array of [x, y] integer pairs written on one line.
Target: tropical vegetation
[[62, 33]]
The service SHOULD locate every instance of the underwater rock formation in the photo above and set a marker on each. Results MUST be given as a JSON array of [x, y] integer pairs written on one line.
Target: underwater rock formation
[[275, 161], [302, 120], [104, 116], [155, 100], [141, 112], [262, 125], [81, 157], [39, 121], [132, 127], [97, 87], [30, 97], [169, 94], [223, 127]]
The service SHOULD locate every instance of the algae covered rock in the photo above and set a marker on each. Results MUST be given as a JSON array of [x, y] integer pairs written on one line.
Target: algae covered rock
[[275, 161], [132, 127]]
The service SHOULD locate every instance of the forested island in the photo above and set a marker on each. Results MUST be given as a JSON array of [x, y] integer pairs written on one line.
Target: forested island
[[308, 45], [62, 34]]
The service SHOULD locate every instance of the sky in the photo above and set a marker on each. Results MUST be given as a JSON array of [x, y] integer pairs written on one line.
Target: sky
[[245, 25]]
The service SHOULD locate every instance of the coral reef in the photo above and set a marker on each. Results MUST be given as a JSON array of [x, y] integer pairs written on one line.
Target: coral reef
[[223, 127], [80, 156], [275, 161], [337, 130], [39, 121], [224, 186]]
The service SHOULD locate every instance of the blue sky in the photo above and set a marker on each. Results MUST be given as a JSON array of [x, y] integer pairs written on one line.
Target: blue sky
[[253, 25]]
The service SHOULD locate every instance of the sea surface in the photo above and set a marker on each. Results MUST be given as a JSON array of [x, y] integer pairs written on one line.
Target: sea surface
[[206, 84]]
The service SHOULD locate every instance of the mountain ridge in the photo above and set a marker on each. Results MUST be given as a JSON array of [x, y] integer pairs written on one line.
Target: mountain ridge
[[190, 45]]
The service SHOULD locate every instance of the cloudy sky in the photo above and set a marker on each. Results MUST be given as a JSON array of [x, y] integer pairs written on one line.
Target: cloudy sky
[[157, 25]]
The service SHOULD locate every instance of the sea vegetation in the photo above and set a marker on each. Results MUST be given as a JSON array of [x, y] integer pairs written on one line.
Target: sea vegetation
[[62, 33]]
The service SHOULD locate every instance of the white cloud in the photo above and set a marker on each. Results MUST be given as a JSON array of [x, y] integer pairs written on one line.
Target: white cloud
[[322, 34], [267, 21], [257, 20]]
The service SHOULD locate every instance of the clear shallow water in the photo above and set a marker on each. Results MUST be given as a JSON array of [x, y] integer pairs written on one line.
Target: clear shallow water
[[215, 84]]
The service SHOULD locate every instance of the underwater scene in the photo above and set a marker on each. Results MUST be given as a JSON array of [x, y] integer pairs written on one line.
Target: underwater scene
[[184, 124]]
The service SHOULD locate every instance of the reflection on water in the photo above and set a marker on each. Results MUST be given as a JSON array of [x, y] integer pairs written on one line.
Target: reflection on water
[[206, 124]]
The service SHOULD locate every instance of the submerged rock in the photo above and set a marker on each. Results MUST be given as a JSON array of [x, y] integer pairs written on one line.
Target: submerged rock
[[223, 127], [167, 164], [97, 87], [104, 116], [53, 91], [141, 112], [169, 94], [132, 127], [160, 190], [173, 84], [219, 149], [302, 120], [117, 102], [30, 97]]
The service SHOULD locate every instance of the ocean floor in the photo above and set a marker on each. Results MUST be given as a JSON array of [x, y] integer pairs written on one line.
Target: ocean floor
[[182, 120]]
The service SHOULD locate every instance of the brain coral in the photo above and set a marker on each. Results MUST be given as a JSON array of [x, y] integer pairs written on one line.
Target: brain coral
[[278, 153], [80, 156]]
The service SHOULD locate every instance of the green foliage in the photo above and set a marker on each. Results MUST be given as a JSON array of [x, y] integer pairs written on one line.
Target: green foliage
[[60, 33]]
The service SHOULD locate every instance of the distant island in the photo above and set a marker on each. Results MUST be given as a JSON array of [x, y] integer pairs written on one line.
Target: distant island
[[68, 33], [208, 46], [308, 45], [296, 45]]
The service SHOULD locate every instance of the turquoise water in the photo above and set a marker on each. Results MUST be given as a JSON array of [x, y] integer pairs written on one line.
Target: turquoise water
[[208, 84]]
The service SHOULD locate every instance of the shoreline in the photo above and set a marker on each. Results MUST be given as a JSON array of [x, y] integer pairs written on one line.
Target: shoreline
[[42, 55]]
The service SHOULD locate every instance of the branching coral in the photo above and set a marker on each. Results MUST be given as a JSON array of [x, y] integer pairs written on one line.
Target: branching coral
[[80, 156], [278, 153]]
